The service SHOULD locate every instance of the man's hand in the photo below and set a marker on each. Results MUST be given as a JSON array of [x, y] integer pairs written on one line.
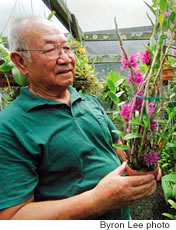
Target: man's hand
[[116, 191]]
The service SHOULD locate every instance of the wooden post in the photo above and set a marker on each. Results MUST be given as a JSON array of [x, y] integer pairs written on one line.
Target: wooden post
[[66, 18]]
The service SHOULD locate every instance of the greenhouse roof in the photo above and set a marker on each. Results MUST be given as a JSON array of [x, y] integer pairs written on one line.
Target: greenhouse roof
[[92, 15]]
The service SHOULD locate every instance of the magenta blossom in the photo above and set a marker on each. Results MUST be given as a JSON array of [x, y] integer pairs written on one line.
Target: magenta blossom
[[126, 111], [151, 158], [171, 34], [138, 102], [151, 108], [145, 57], [166, 13], [174, 52], [153, 126], [124, 62], [132, 61], [127, 108], [138, 77]]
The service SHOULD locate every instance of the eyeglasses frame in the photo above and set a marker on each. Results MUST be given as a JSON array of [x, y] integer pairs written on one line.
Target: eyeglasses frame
[[43, 51]]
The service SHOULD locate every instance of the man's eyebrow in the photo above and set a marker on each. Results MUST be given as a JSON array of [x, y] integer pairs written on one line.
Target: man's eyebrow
[[48, 42], [54, 42]]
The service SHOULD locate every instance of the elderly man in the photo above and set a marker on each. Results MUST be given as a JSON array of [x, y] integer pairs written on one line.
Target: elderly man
[[56, 155]]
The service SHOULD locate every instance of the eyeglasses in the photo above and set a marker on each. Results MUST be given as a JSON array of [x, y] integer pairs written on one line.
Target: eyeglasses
[[53, 52]]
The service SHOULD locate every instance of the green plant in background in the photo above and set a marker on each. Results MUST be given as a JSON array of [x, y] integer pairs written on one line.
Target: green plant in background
[[85, 80], [169, 185], [167, 140], [173, 205], [7, 96], [167, 157], [115, 90], [8, 67], [9, 70]]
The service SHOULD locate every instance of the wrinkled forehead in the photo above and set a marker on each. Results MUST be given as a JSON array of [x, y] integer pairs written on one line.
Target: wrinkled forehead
[[44, 32]]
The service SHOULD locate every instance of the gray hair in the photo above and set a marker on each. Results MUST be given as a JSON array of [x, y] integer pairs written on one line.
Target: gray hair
[[16, 35]]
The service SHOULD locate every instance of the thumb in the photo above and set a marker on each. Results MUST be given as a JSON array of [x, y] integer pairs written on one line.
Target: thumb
[[121, 169]]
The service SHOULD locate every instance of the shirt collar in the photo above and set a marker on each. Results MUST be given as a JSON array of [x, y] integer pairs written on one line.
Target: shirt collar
[[29, 101]]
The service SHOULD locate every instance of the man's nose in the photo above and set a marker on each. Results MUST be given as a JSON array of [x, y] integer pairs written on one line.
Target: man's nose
[[63, 58]]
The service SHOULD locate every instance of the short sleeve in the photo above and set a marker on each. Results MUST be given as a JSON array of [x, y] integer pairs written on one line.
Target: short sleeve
[[18, 173]]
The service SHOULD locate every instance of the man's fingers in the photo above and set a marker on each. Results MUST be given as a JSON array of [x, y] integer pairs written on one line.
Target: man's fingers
[[159, 174], [121, 169], [140, 180], [143, 191]]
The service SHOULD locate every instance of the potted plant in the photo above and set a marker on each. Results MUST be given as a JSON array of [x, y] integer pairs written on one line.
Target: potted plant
[[143, 116], [169, 67]]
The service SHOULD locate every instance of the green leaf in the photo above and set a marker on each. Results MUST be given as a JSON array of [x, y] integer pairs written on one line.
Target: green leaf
[[170, 177], [4, 51], [171, 145], [104, 96], [174, 192], [119, 82], [136, 122], [163, 5], [167, 188], [143, 67], [171, 17], [111, 86], [131, 136], [161, 38], [174, 155], [165, 165], [172, 203], [5, 67], [150, 19], [152, 10], [167, 182], [146, 120], [113, 76], [119, 93], [113, 97], [120, 133], [169, 215], [19, 77], [153, 44], [173, 113], [121, 147], [168, 110]]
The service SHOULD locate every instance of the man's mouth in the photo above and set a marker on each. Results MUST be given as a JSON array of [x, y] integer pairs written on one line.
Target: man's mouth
[[64, 71]]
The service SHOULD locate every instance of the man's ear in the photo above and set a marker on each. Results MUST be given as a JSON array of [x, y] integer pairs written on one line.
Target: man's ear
[[19, 61]]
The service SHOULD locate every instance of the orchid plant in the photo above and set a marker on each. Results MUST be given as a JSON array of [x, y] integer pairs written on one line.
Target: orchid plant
[[144, 115]]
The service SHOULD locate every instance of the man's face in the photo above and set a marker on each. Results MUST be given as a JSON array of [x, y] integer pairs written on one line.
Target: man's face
[[45, 73]]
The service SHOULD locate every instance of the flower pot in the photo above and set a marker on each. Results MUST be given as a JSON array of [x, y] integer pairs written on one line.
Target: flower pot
[[168, 74], [133, 172]]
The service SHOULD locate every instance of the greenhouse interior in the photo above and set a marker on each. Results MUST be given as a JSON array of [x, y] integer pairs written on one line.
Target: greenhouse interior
[[108, 70]]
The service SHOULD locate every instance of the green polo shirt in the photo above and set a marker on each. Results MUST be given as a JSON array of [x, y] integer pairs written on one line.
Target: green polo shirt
[[53, 151]]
